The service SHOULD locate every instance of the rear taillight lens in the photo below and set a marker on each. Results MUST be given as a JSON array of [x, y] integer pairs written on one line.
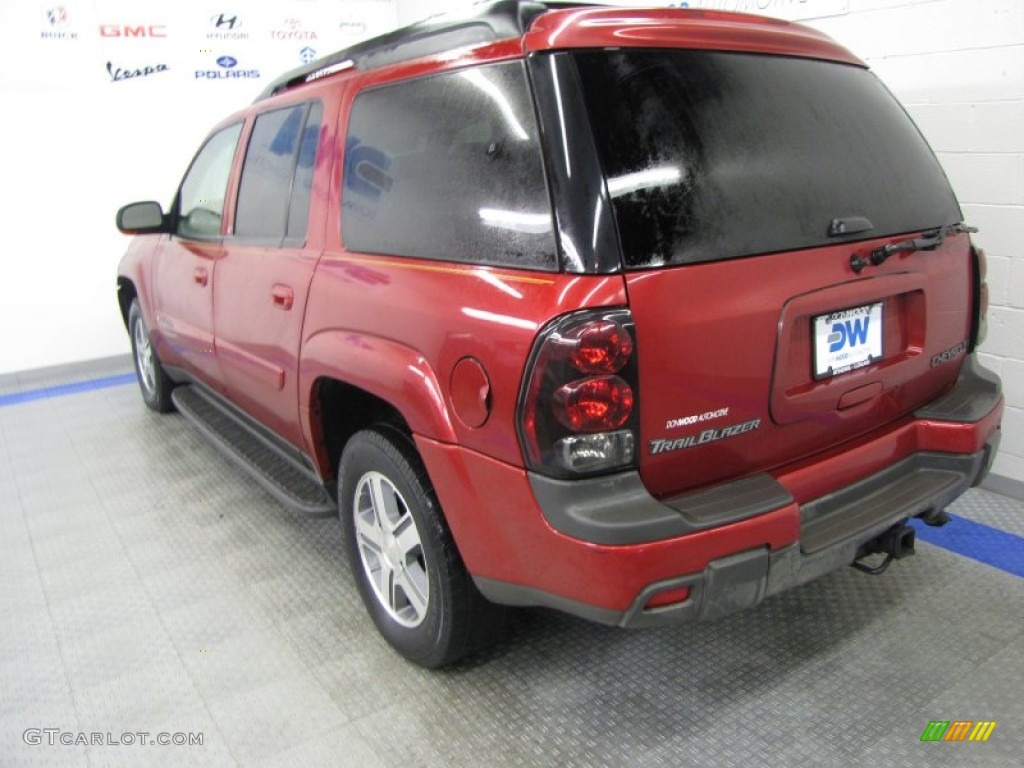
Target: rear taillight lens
[[578, 405], [601, 346], [594, 404], [979, 328]]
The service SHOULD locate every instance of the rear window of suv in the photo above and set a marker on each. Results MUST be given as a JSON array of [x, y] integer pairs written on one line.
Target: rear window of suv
[[711, 155], [449, 167]]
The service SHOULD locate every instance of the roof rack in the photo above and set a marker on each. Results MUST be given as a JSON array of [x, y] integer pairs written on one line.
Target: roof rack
[[483, 23]]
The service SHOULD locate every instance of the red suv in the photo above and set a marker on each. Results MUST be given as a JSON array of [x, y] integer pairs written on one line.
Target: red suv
[[642, 315]]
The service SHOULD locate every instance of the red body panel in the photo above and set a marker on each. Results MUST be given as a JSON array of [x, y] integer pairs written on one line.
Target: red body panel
[[712, 339], [361, 305]]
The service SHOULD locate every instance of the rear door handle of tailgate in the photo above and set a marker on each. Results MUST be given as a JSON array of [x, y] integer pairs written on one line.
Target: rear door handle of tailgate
[[282, 296]]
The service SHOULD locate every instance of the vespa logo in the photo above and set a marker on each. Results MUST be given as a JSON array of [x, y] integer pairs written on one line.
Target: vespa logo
[[851, 332], [118, 74], [125, 31]]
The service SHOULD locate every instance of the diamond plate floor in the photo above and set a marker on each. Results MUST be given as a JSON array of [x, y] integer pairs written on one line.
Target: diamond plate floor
[[147, 586]]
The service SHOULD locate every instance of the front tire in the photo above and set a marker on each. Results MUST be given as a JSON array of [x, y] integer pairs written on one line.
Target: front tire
[[154, 382], [403, 558]]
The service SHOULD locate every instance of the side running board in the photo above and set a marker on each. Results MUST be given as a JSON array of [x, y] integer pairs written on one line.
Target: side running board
[[276, 467]]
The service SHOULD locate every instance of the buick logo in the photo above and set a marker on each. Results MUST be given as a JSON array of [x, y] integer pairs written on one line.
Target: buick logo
[[57, 16], [227, 61]]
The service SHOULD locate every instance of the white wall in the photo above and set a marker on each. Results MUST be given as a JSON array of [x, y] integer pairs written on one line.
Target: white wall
[[76, 145]]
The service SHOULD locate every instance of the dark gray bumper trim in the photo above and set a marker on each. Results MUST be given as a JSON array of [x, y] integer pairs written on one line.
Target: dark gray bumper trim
[[920, 483], [744, 579], [617, 509], [976, 393]]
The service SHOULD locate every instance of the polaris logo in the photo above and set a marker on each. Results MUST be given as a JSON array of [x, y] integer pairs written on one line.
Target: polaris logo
[[227, 71]]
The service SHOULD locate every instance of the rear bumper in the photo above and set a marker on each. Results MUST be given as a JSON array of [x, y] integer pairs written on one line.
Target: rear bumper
[[605, 549]]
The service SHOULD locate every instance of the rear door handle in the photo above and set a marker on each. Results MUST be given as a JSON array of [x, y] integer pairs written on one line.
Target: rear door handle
[[282, 296], [200, 276]]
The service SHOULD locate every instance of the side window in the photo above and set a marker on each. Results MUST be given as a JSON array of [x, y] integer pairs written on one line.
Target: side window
[[449, 167], [273, 194], [302, 187], [201, 198]]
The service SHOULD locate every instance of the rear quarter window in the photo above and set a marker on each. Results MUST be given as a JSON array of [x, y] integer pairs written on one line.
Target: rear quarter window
[[711, 155], [449, 167]]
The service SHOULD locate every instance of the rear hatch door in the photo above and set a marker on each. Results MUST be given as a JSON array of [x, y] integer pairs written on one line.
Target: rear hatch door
[[753, 196]]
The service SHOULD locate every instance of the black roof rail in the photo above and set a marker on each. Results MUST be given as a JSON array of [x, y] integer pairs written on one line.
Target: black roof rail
[[481, 23]]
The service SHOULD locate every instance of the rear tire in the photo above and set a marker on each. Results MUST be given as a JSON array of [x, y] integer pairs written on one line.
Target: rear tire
[[403, 558], [154, 382]]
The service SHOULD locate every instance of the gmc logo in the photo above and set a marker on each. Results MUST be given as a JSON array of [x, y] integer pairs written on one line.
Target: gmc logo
[[117, 30]]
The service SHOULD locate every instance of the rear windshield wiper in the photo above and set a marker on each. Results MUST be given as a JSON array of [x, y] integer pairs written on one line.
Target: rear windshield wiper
[[926, 241]]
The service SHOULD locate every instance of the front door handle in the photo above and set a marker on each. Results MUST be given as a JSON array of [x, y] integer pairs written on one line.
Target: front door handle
[[200, 276], [282, 296]]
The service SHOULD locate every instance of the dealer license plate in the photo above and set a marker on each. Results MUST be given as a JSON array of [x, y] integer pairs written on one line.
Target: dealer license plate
[[847, 340]]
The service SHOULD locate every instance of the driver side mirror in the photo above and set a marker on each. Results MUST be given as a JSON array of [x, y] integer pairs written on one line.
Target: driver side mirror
[[142, 219]]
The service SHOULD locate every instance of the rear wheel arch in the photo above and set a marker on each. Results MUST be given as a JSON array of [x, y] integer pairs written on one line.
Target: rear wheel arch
[[350, 381], [339, 410]]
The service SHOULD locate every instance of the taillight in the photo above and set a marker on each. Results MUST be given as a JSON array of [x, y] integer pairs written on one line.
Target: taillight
[[601, 346], [594, 404], [980, 270], [578, 407]]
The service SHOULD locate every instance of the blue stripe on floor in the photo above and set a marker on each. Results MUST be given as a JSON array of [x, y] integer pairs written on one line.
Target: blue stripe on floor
[[977, 541], [66, 389]]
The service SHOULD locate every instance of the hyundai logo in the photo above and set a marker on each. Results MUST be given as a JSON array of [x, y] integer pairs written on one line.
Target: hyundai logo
[[227, 61]]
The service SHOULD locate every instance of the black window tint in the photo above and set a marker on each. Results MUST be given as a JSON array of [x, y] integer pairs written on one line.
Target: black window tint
[[449, 167], [715, 155], [201, 197], [264, 190], [298, 212]]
